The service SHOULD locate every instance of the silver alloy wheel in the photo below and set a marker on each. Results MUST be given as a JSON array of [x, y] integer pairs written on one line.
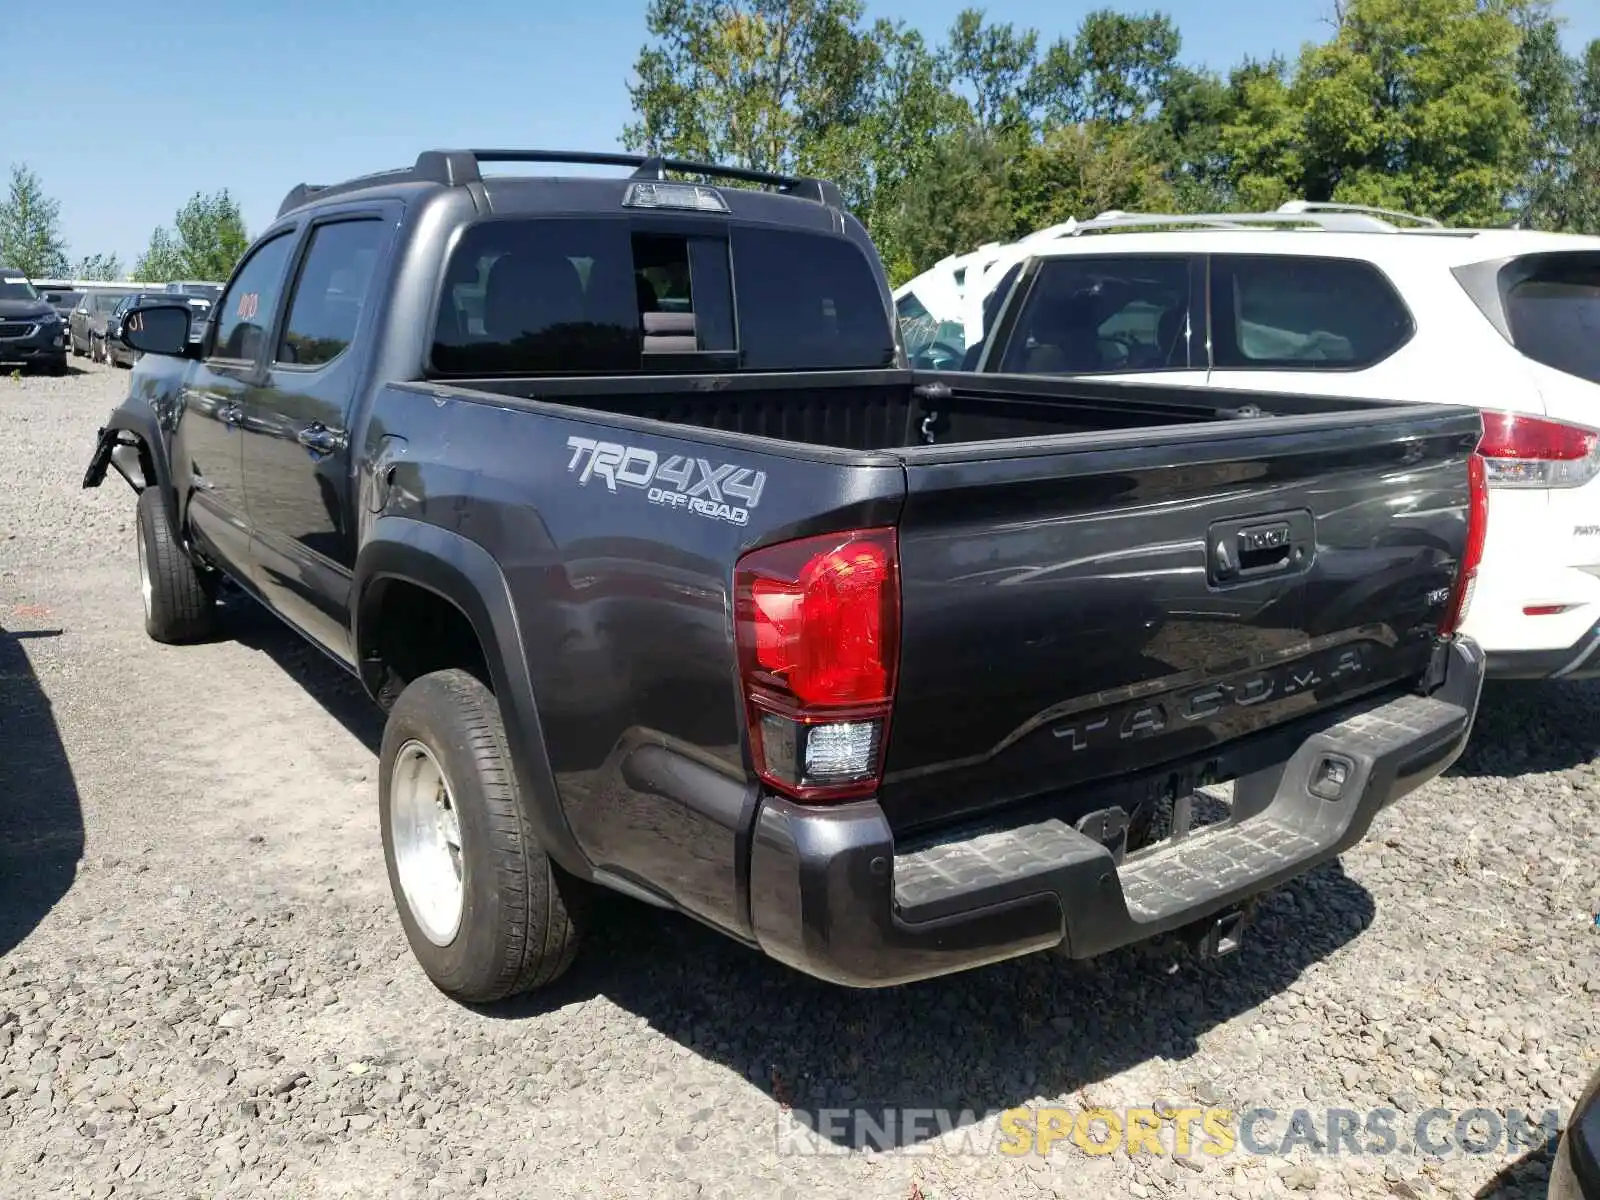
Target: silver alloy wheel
[[426, 832], [145, 586]]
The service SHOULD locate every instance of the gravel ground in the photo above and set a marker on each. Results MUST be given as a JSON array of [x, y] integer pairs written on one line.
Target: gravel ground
[[204, 990]]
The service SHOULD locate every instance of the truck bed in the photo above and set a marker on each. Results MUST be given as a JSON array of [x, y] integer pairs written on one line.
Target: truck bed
[[884, 410], [1066, 620]]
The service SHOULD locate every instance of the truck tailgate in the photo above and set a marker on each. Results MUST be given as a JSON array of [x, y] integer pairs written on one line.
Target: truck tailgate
[[1082, 607]]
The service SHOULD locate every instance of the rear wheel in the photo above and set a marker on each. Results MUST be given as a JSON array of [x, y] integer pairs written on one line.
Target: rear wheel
[[487, 914], [179, 605]]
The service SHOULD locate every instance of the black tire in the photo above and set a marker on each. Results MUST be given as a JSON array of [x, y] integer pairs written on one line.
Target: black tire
[[58, 366], [179, 606], [520, 915]]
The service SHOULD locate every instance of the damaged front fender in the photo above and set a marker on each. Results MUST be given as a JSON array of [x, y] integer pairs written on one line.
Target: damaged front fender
[[133, 443], [124, 451]]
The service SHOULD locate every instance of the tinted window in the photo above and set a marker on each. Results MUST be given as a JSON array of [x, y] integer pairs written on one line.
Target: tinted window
[[1089, 315], [1303, 313], [1555, 315], [246, 310], [604, 296], [105, 302], [807, 301], [538, 298], [330, 291], [14, 287]]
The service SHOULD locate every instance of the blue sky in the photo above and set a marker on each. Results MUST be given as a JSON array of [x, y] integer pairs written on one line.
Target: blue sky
[[125, 110]]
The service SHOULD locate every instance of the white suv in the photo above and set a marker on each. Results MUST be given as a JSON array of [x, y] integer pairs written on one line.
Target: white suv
[[1335, 299]]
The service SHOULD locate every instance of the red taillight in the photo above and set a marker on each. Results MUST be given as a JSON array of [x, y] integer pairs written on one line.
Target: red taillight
[[818, 627], [1534, 452], [1472, 553]]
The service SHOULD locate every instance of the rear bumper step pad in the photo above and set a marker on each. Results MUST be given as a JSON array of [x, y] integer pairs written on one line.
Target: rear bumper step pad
[[831, 895]]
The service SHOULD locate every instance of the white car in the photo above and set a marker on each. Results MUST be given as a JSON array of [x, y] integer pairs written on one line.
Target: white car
[[1335, 299]]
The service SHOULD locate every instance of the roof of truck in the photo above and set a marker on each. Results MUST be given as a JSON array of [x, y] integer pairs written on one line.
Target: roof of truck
[[647, 186]]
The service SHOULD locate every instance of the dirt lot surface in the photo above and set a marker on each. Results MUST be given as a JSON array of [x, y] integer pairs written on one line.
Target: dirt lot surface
[[204, 990]]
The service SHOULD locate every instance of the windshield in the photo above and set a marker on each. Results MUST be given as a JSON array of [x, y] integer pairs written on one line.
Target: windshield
[[1555, 316], [64, 300], [15, 287], [105, 302], [930, 344]]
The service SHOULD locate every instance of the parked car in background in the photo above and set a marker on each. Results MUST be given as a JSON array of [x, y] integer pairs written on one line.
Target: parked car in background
[[87, 329], [119, 355], [63, 300], [195, 287], [31, 332], [1324, 299]]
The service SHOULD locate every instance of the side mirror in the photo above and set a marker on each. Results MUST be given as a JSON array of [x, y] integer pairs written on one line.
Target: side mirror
[[155, 329]]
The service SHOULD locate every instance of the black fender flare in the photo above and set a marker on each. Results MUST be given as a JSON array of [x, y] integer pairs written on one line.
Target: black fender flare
[[143, 424], [463, 573]]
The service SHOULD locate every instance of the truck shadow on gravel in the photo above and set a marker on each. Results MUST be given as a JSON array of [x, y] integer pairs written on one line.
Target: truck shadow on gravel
[[976, 1042], [971, 1044], [41, 819], [1525, 1178], [341, 696], [1529, 728]]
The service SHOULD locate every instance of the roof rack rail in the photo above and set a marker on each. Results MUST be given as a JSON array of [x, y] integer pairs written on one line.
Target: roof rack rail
[[454, 168], [1305, 207], [1337, 221]]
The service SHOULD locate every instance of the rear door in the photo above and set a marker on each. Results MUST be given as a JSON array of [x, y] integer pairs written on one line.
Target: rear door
[[1082, 607], [1132, 316], [296, 424]]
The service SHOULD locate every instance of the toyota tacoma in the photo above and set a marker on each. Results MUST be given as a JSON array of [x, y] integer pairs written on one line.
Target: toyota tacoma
[[620, 498]]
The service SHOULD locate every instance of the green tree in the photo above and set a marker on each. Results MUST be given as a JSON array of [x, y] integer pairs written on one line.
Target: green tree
[[995, 64], [211, 235], [1415, 104], [747, 82], [98, 266], [208, 241], [1581, 197], [161, 260], [1125, 64], [1548, 81], [30, 227]]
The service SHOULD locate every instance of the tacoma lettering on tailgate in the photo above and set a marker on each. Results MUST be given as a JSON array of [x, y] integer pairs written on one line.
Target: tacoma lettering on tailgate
[[691, 484], [1147, 719]]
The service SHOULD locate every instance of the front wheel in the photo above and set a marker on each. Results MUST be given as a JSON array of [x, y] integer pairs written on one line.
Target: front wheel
[[179, 606], [487, 914]]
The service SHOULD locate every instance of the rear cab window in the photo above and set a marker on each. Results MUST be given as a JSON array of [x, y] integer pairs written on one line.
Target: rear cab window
[[1553, 310], [1292, 312], [622, 295]]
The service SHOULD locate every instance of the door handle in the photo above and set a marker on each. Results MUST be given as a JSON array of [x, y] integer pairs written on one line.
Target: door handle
[[231, 414], [319, 439]]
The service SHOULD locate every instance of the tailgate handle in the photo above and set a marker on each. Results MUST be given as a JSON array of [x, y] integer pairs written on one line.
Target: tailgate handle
[[1259, 547]]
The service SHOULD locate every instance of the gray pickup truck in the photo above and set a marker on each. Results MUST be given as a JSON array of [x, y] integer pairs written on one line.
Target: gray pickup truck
[[619, 497]]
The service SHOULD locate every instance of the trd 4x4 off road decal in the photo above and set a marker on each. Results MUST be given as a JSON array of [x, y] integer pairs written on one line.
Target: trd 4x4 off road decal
[[691, 484]]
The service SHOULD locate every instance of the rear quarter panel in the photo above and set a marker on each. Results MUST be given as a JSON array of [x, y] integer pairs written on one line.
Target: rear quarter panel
[[622, 596]]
